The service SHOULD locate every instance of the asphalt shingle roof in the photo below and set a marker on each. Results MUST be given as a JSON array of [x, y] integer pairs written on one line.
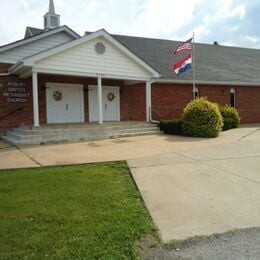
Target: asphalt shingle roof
[[213, 62]]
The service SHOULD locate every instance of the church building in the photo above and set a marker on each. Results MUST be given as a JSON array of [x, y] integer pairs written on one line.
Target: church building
[[56, 76]]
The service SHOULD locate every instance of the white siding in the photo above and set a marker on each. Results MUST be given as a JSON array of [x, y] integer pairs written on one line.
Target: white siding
[[84, 59], [34, 47]]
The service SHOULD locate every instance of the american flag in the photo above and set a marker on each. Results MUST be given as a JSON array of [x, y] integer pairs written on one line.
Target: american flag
[[184, 46]]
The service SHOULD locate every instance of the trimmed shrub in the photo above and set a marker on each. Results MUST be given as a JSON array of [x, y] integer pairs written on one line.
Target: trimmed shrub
[[202, 118], [230, 116], [171, 127]]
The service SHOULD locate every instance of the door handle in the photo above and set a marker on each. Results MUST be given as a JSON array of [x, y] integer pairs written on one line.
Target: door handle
[[67, 106], [105, 106]]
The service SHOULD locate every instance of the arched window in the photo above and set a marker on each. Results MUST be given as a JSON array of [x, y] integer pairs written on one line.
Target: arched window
[[232, 94], [196, 93]]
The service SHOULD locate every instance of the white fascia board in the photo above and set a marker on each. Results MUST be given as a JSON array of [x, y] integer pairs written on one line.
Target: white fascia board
[[37, 37], [16, 66], [90, 75], [31, 60], [221, 83], [6, 61]]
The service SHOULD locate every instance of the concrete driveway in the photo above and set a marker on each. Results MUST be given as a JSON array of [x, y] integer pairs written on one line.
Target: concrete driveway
[[202, 190]]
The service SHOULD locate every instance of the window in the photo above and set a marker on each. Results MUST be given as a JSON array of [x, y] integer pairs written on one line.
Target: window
[[45, 22], [54, 21], [232, 94], [196, 93], [100, 48]]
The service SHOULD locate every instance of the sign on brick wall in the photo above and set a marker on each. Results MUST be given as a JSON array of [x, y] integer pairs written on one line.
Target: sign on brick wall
[[16, 92]]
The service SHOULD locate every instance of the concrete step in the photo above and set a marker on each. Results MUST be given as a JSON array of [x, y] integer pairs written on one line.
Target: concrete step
[[71, 133], [41, 131], [54, 139], [75, 134]]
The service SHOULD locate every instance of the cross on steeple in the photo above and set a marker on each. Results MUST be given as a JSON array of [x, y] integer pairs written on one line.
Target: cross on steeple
[[51, 19]]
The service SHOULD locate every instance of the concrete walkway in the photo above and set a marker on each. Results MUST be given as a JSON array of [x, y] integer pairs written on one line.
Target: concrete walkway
[[191, 186], [198, 192], [108, 150]]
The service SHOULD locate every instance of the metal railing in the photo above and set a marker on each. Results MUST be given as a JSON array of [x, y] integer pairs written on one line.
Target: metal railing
[[11, 113]]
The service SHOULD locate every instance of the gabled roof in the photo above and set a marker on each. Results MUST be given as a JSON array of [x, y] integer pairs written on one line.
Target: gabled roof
[[214, 63], [31, 31], [29, 61], [38, 36]]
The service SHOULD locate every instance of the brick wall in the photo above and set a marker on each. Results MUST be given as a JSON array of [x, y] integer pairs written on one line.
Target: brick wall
[[23, 114], [4, 67], [168, 100], [133, 102]]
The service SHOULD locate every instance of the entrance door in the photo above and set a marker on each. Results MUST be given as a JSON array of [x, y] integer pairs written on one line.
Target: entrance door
[[110, 103], [65, 103]]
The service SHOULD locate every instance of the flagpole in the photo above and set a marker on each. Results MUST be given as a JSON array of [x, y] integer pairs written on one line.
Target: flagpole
[[193, 66]]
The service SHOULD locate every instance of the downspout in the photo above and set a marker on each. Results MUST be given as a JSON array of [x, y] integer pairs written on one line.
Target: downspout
[[151, 119], [150, 109]]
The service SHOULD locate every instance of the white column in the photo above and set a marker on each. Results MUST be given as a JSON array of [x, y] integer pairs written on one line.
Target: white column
[[100, 108], [148, 100], [35, 99]]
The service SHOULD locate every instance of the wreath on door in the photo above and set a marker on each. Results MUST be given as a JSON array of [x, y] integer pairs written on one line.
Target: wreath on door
[[57, 95], [111, 96]]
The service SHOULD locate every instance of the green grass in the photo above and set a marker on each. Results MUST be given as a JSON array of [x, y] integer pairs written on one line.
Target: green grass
[[74, 212]]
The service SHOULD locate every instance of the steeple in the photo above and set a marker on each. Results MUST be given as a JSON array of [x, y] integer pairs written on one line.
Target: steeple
[[51, 7], [51, 19]]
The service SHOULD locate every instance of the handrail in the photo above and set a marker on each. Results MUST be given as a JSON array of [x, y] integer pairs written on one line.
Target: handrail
[[151, 110], [11, 112]]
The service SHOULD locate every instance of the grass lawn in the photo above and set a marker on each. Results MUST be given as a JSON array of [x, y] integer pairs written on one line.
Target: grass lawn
[[75, 212]]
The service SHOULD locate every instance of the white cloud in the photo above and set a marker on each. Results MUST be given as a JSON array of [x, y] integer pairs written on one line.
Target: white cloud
[[219, 20], [252, 39], [157, 19], [227, 43]]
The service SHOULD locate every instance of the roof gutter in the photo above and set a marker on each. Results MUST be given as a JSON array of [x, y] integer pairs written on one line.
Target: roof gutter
[[221, 83], [5, 74]]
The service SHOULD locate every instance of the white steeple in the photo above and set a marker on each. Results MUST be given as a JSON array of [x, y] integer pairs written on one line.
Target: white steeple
[[51, 7], [51, 19]]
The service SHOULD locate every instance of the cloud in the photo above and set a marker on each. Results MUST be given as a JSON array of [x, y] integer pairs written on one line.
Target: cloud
[[233, 22]]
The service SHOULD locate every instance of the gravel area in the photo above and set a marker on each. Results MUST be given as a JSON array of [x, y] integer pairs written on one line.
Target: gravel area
[[242, 244]]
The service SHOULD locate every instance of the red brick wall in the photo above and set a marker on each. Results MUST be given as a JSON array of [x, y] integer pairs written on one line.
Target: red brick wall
[[4, 67], [168, 100], [133, 102], [248, 104], [22, 116]]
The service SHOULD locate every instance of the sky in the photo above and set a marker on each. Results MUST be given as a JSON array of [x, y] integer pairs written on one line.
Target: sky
[[229, 22]]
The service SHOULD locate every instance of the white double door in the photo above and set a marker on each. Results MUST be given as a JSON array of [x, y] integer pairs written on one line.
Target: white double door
[[110, 103], [65, 103]]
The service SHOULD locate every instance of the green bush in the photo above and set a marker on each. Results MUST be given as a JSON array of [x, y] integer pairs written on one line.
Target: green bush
[[230, 116], [202, 118], [171, 127]]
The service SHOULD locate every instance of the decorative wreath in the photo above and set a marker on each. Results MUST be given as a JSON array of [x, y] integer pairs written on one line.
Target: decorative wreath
[[110, 96], [57, 95]]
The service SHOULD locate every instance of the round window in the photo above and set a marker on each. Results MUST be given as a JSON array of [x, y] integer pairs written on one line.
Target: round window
[[100, 48]]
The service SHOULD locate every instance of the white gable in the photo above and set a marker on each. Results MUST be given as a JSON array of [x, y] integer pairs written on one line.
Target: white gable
[[84, 59], [31, 48]]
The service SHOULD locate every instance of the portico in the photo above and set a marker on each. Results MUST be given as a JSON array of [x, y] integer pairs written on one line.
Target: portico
[[97, 56]]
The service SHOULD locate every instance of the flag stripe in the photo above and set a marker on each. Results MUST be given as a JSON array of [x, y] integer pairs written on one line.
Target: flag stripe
[[184, 46], [183, 65]]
